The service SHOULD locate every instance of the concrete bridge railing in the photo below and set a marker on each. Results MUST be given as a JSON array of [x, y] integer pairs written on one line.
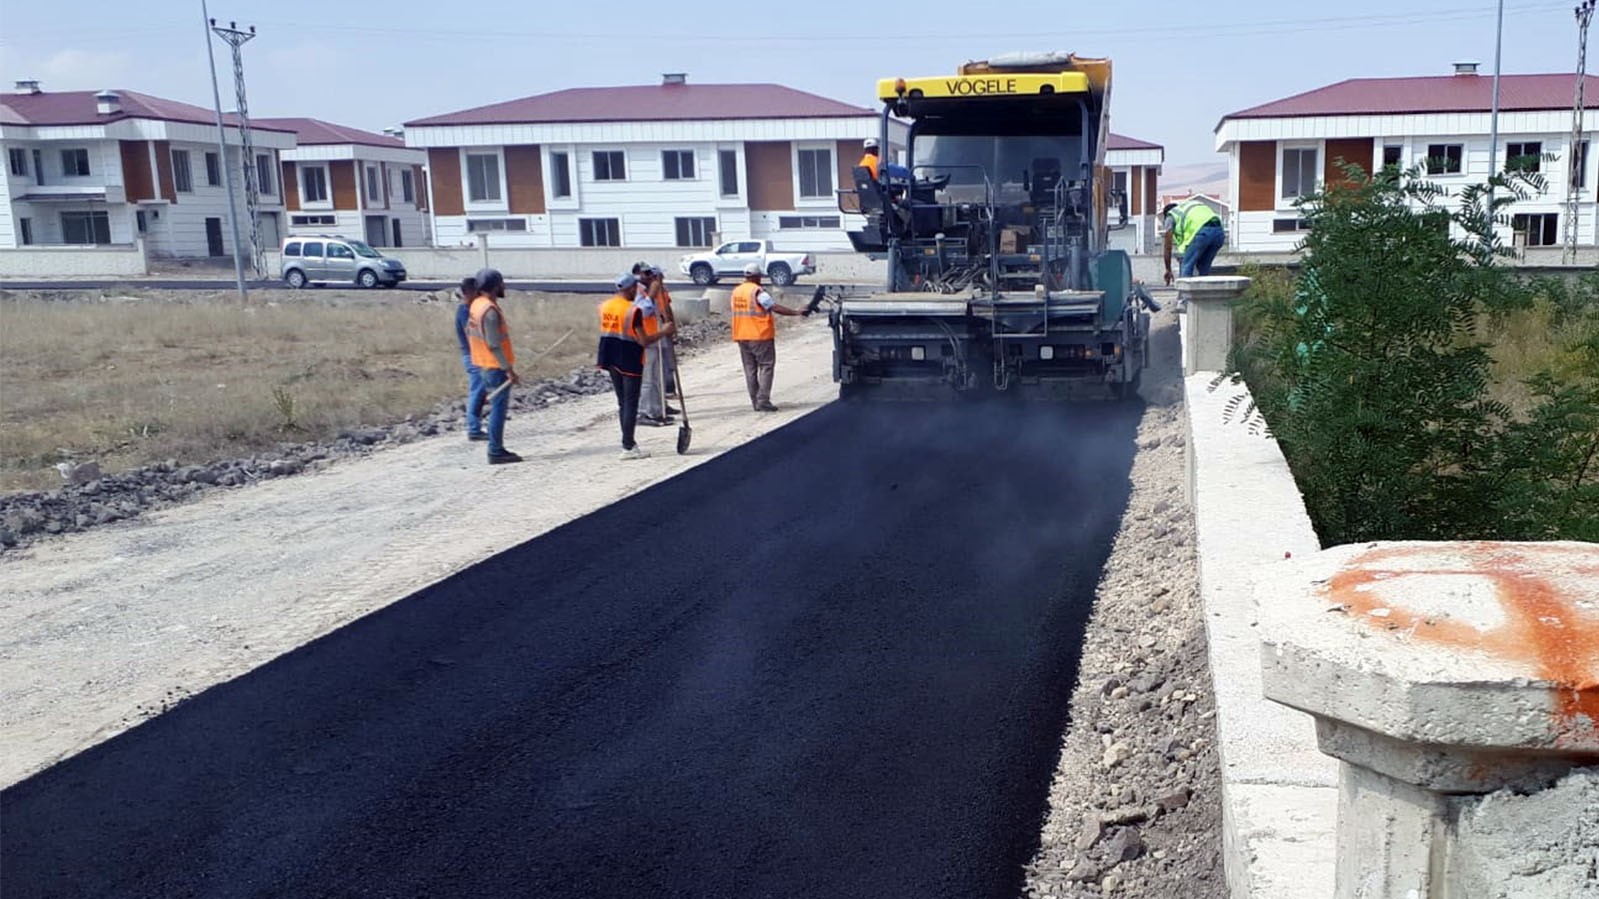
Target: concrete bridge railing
[[1396, 721]]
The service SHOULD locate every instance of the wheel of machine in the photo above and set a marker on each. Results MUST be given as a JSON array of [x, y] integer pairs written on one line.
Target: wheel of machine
[[851, 393], [295, 279], [702, 274], [368, 279], [1128, 390], [781, 274]]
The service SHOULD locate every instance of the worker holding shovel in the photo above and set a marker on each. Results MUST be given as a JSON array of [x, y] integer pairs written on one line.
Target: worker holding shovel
[[626, 328]]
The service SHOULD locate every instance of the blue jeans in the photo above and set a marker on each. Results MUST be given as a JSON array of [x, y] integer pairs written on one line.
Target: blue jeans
[[474, 396], [1202, 250], [492, 379]]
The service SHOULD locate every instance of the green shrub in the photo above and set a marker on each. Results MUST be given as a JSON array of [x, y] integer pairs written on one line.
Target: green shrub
[[1374, 370]]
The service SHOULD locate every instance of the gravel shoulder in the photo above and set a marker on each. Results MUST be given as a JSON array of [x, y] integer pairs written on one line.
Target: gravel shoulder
[[1135, 807], [104, 629]]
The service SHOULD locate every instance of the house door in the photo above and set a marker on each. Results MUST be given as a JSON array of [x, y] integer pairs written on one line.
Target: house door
[[377, 230], [397, 241], [213, 237]]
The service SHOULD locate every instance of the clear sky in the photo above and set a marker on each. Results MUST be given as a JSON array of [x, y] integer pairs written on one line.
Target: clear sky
[[1179, 65]]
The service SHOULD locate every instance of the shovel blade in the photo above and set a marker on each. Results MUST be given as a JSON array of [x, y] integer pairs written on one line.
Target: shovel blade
[[684, 435]]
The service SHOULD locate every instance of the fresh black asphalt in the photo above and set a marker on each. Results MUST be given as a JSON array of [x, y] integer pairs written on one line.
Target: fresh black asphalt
[[834, 662]]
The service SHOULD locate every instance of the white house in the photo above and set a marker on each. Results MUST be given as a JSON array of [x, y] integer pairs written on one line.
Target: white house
[[341, 180], [1280, 151], [653, 166], [1135, 170], [86, 168]]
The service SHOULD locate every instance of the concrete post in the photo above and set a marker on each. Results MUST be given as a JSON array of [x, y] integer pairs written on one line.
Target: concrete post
[[1209, 330], [483, 249], [718, 300], [1458, 685]]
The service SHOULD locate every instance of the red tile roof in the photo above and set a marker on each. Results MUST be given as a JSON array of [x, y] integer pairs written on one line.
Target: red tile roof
[[1441, 93], [315, 132], [79, 108], [1123, 142], [655, 103]]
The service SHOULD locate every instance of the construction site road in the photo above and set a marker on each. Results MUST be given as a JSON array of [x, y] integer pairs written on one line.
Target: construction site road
[[574, 286], [834, 661]]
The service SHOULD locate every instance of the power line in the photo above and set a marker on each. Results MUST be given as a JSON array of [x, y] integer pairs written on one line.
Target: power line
[[1240, 29]]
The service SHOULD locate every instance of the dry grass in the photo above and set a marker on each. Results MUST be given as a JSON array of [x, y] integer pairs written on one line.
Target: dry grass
[[1536, 340], [152, 375]]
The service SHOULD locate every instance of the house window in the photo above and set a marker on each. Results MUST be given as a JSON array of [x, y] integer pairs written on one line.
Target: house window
[[74, 162], [727, 166], [407, 186], [815, 173], [374, 187], [1393, 155], [1535, 229], [182, 178], [807, 222], [85, 227], [213, 169], [1580, 160], [561, 174], [1118, 183], [600, 232], [304, 220], [1299, 172], [263, 174], [610, 165], [26, 227], [678, 165], [38, 167], [474, 226], [313, 184], [482, 177], [1288, 226], [695, 231], [1524, 156], [18, 158], [1444, 159]]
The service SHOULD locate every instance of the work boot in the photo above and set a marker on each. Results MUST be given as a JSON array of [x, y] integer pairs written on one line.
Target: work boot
[[504, 458], [766, 407], [653, 422], [477, 437]]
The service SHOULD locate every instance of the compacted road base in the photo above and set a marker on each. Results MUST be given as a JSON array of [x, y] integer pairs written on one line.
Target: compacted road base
[[834, 662]]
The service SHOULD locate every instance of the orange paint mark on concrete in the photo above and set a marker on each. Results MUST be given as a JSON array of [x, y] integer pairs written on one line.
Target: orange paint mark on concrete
[[1545, 628]]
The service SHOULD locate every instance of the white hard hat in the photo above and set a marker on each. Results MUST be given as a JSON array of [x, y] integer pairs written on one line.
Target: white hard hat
[[754, 268], [870, 143]]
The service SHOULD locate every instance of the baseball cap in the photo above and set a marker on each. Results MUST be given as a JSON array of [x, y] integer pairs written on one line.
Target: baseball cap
[[625, 281], [753, 268]]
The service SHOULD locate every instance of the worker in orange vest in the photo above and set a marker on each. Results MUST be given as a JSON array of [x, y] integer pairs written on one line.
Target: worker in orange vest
[[489, 340], [869, 158], [658, 358], [624, 334], [755, 332]]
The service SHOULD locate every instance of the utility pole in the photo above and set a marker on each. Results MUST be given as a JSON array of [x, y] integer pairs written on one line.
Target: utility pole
[[1493, 116], [252, 193], [222, 153], [1577, 158]]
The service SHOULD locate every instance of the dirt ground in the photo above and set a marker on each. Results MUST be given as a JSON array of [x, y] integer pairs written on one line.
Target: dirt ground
[[133, 377], [1135, 808]]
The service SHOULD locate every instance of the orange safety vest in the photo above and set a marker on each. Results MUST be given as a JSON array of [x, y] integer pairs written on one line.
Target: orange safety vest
[[750, 321], [616, 319], [869, 162], [482, 357]]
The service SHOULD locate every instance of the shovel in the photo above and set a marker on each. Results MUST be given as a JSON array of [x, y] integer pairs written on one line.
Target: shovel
[[685, 434], [540, 355]]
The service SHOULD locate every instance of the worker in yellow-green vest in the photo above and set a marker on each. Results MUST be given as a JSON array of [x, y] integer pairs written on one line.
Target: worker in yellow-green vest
[[1194, 231]]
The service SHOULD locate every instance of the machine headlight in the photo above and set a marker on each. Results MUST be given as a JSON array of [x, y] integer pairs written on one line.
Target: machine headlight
[[1046, 352], [918, 353]]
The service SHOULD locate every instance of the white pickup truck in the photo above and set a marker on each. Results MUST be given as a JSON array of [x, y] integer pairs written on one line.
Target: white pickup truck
[[729, 259]]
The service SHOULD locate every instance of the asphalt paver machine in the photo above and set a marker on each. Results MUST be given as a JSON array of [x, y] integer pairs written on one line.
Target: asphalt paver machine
[[994, 224]]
